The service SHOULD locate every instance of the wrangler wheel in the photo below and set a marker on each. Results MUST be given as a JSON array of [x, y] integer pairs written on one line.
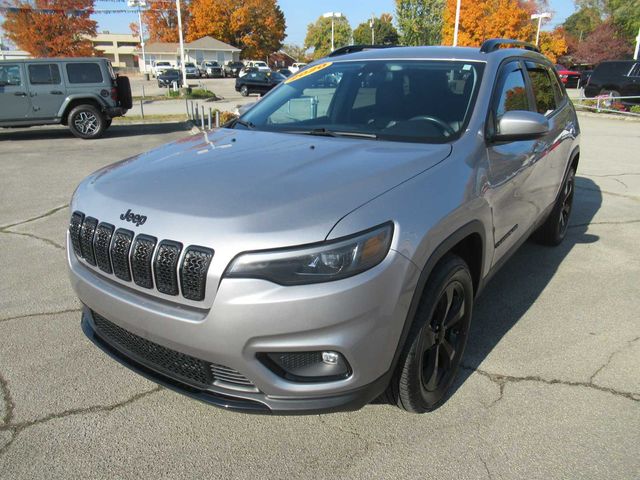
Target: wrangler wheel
[[86, 121]]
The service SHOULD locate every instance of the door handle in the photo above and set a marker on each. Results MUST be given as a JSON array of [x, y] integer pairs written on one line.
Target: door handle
[[55, 92], [20, 94]]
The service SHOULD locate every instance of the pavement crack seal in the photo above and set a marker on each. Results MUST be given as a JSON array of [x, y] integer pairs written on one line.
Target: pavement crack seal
[[503, 380], [17, 428], [613, 354], [38, 217], [36, 237], [40, 314]]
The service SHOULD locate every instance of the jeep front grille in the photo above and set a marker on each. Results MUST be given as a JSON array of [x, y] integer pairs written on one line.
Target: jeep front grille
[[141, 258], [190, 370]]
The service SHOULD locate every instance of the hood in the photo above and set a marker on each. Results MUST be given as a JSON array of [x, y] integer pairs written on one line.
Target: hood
[[254, 189]]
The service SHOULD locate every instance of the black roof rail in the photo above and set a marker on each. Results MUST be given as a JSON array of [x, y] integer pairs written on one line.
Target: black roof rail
[[356, 48], [493, 44]]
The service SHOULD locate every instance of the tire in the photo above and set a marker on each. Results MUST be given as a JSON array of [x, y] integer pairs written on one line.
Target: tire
[[554, 228], [434, 347], [244, 91], [87, 122], [124, 92]]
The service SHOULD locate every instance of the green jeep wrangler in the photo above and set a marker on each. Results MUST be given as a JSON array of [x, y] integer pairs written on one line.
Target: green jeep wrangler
[[83, 93]]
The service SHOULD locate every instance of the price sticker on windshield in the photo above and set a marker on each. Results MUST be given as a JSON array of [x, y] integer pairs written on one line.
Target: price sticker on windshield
[[308, 71]]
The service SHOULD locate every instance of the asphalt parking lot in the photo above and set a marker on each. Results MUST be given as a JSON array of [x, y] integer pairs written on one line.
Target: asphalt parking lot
[[550, 386]]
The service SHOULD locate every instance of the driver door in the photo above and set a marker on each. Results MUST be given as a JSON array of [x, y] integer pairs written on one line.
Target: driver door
[[14, 96], [511, 164]]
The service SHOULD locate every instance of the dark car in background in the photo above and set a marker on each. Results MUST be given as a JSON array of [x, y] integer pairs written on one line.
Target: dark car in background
[[617, 79], [569, 78], [285, 72], [258, 82], [166, 78], [232, 69]]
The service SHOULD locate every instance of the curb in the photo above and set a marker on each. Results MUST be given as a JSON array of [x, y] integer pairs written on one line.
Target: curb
[[607, 116]]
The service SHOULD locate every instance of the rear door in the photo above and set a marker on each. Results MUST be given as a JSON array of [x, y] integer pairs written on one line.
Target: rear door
[[551, 152], [46, 89], [14, 96]]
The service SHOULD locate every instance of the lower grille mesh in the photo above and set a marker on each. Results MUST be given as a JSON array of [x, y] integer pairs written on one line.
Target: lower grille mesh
[[186, 368]]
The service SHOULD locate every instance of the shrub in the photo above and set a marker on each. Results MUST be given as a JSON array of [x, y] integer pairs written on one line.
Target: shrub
[[635, 109], [199, 93]]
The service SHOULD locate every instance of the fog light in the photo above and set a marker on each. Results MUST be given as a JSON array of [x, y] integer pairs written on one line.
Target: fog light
[[318, 366], [330, 358]]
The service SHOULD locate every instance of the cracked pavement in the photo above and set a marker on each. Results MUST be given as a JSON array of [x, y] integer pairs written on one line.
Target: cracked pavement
[[550, 386]]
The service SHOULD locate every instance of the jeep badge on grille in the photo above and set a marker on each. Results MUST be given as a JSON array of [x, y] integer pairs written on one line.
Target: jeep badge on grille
[[133, 218]]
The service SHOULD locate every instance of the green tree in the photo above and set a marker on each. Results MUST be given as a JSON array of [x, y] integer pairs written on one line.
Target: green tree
[[385, 32], [319, 35], [420, 21], [625, 15], [582, 22], [296, 51]]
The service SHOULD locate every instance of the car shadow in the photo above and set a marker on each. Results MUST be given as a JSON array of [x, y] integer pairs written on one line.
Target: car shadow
[[518, 284], [115, 131]]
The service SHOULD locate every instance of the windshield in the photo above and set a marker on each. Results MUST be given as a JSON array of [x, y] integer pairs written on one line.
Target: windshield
[[259, 64], [162, 64], [403, 100], [190, 65]]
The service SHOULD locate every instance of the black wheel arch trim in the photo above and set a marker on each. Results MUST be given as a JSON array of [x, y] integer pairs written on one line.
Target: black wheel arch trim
[[475, 227]]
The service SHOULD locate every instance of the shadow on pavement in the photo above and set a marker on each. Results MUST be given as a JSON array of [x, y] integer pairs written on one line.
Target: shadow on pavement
[[115, 131], [516, 286]]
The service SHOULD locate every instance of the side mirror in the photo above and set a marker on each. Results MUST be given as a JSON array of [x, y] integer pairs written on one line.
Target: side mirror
[[520, 125]]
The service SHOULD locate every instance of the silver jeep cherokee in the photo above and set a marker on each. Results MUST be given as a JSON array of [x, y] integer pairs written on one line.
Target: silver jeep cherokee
[[326, 248]]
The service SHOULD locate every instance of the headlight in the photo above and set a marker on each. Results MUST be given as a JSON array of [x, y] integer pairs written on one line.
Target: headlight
[[325, 262]]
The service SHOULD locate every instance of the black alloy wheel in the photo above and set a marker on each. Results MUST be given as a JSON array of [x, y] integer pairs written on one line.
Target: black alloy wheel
[[555, 227], [435, 344]]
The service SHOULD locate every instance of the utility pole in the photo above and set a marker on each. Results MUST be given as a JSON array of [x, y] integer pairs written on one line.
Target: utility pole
[[635, 55], [457, 24], [140, 4], [184, 71]]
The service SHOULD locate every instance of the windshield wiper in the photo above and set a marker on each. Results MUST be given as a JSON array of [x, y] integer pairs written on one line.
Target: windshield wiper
[[324, 132], [244, 123]]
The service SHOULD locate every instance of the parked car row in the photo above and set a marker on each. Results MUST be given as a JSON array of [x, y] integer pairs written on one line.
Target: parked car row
[[213, 69]]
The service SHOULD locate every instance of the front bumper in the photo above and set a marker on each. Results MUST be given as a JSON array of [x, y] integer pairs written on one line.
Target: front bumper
[[361, 317]]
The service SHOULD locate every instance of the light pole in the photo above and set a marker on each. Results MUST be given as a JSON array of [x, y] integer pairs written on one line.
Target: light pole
[[140, 4], [635, 55], [457, 24], [539, 17], [184, 71], [332, 16]]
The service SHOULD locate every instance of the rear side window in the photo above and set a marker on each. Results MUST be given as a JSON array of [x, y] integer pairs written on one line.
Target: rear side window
[[10, 75], [84, 73], [542, 90], [513, 94], [44, 74]]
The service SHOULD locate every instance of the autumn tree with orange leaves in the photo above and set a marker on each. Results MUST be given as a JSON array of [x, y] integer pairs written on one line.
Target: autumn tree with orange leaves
[[484, 19], [161, 21], [255, 26], [51, 28]]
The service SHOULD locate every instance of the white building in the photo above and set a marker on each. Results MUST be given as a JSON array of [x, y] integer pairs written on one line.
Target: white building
[[205, 48], [14, 55]]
